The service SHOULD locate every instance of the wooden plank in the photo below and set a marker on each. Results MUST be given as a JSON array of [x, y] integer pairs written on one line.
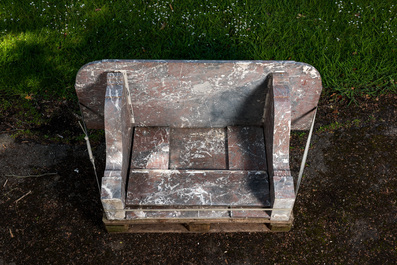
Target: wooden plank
[[208, 225], [191, 228], [198, 148], [186, 188], [196, 227], [150, 148], [246, 148]]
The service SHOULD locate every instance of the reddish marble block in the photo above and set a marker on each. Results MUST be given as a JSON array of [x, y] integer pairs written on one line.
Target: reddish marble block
[[187, 188], [191, 214], [249, 214], [198, 148], [246, 148], [203, 93], [151, 148]]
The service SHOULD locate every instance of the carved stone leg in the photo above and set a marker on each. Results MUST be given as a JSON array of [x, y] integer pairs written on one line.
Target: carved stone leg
[[277, 126], [283, 195], [112, 195], [118, 133]]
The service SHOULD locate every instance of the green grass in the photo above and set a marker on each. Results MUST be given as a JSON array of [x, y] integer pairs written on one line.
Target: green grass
[[43, 43]]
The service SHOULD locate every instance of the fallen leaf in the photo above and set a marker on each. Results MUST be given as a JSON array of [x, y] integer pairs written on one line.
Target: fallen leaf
[[28, 97]]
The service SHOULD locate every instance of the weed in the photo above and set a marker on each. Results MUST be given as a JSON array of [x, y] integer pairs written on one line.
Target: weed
[[338, 125], [356, 122], [330, 127], [21, 133]]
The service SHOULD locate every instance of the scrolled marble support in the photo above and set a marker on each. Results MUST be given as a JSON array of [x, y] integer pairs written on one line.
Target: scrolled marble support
[[277, 126], [118, 134]]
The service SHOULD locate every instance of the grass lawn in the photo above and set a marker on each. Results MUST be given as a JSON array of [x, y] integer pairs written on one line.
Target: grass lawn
[[43, 43]]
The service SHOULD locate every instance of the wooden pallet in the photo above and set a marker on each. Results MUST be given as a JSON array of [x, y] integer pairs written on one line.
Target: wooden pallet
[[196, 225], [198, 146]]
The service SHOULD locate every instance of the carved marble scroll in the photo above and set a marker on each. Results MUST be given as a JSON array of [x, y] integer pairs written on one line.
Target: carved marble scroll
[[277, 126], [118, 133]]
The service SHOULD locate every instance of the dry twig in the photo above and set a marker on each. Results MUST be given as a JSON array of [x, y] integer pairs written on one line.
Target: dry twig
[[5, 183], [23, 196], [32, 176]]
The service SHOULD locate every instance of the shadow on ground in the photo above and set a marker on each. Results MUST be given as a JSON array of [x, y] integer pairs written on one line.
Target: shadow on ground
[[346, 210]]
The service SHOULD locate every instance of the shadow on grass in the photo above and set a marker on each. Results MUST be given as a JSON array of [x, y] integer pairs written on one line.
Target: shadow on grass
[[45, 67]]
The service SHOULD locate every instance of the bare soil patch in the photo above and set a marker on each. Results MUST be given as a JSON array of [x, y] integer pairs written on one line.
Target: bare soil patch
[[346, 209]]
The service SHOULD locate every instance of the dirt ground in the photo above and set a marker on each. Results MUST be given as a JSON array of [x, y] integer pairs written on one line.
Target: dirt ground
[[346, 210]]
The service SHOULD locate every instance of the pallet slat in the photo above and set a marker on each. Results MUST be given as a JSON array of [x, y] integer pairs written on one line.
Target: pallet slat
[[195, 226]]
